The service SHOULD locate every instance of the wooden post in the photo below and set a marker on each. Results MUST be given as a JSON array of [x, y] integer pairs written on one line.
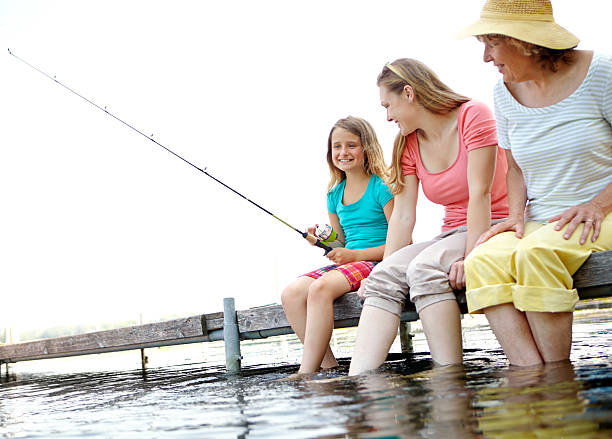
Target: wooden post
[[405, 337], [143, 359], [231, 336]]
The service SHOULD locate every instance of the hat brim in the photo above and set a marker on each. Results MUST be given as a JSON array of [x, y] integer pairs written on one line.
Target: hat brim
[[545, 34]]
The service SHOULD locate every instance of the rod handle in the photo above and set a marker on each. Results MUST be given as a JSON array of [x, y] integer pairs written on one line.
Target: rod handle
[[316, 242]]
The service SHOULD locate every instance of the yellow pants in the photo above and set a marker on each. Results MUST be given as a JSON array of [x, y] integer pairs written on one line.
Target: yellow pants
[[535, 272]]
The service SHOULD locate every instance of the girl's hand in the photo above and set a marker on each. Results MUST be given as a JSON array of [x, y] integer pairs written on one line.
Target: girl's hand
[[341, 256], [311, 238], [456, 276], [591, 214], [516, 224]]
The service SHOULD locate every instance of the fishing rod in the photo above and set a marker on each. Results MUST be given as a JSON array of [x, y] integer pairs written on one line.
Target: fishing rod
[[309, 237]]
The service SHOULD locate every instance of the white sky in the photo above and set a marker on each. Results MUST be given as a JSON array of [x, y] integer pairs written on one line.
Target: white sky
[[99, 224]]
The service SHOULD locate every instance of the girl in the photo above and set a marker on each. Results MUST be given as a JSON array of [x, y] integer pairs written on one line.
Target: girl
[[449, 144], [359, 205]]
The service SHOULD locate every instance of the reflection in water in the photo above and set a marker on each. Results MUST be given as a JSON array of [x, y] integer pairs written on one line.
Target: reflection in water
[[406, 398], [535, 402], [430, 403]]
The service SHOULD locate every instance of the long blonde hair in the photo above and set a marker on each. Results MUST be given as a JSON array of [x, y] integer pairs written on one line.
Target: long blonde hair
[[374, 161], [429, 91]]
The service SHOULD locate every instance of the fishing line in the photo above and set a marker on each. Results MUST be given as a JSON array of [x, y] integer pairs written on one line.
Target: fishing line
[[310, 238]]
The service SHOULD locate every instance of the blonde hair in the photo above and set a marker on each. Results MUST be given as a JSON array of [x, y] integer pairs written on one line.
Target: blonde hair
[[429, 91], [374, 161], [547, 59]]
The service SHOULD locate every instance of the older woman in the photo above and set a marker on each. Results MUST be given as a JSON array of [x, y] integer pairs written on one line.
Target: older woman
[[554, 111]]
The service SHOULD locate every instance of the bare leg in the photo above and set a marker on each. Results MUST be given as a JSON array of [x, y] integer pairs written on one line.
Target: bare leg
[[293, 299], [375, 334], [513, 332], [442, 326], [320, 320], [552, 332]]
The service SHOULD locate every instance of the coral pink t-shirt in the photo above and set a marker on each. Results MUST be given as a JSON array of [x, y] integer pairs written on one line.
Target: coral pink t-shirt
[[476, 128]]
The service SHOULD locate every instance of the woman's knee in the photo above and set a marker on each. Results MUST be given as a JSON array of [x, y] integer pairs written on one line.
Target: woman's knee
[[474, 259], [533, 251], [423, 270]]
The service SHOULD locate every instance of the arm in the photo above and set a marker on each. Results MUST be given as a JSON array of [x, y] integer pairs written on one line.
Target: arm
[[591, 213], [517, 200], [480, 173], [403, 218], [334, 221], [344, 255]]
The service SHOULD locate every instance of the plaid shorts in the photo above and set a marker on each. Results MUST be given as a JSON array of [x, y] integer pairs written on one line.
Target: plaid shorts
[[354, 272]]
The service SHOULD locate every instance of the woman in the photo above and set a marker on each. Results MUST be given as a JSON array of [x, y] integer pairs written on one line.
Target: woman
[[448, 143], [554, 111]]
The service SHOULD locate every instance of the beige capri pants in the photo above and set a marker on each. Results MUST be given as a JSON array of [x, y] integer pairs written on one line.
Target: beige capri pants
[[419, 269]]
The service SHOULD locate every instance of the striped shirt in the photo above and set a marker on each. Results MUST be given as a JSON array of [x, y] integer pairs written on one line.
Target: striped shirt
[[564, 150]]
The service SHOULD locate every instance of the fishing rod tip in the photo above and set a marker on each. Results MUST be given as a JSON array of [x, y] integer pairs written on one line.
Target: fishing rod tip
[[9, 50]]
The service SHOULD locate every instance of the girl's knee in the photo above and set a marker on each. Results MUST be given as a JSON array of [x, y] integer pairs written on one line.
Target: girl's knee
[[321, 291], [293, 293]]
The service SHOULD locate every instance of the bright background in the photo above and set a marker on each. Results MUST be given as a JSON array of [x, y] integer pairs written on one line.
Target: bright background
[[98, 224]]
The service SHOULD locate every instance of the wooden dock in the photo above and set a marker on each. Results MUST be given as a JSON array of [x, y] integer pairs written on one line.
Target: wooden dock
[[593, 280]]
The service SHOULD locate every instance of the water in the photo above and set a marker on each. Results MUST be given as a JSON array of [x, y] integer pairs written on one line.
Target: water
[[99, 397]]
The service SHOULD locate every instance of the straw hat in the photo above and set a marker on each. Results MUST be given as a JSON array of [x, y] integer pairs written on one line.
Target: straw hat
[[526, 20]]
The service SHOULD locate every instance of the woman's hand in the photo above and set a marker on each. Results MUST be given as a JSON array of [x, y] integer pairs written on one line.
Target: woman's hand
[[511, 224], [456, 276], [361, 290], [341, 256], [591, 214]]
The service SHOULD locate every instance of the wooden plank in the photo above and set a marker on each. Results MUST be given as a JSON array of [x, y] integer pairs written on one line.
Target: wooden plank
[[134, 337], [273, 316], [593, 280], [596, 271]]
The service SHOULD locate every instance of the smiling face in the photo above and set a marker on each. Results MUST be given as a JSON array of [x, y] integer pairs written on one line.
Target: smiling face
[[508, 58], [347, 153], [400, 108]]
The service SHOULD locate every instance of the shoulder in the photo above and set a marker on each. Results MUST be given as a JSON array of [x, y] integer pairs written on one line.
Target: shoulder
[[475, 110], [475, 116], [410, 145], [336, 190], [602, 61], [501, 96], [380, 189], [377, 182], [602, 66]]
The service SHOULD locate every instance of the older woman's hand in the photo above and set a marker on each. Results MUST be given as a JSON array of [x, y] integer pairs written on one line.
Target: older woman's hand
[[591, 214], [511, 224]]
